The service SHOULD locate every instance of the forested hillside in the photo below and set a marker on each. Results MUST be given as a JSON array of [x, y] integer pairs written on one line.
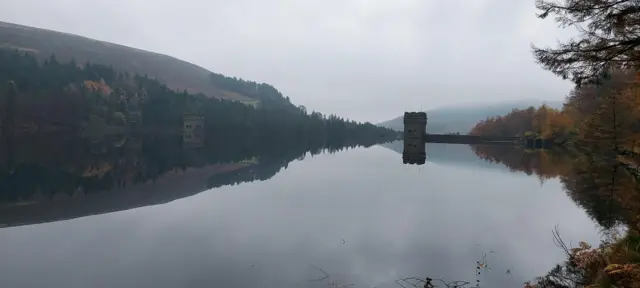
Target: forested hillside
[[603, 115], [95, 98], [175, 73]]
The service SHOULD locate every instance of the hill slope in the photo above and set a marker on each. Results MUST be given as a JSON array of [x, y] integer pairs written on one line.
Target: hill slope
[[175, 73], [462, 119]]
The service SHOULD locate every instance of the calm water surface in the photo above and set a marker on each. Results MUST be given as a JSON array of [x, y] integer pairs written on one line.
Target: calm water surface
[[360, 215]]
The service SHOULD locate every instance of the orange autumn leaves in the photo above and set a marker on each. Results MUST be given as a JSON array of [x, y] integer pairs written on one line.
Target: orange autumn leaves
[[605, 115], [611, 123], [543, 121], [99, 86]]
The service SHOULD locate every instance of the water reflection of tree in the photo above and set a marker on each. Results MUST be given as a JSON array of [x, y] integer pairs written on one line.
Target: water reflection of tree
[[44, 165], [543, 164], [604, 187]]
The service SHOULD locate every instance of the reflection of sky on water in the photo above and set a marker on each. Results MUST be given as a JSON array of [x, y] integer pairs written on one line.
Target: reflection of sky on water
[[397, 221]]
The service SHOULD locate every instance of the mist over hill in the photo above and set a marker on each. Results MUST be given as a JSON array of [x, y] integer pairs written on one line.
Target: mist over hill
[[462, 118]]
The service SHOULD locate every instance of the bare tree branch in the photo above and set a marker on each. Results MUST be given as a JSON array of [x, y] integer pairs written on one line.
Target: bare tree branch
[[609, 37]]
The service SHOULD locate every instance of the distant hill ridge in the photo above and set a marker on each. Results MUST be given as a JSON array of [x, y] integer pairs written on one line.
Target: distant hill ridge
[[175, 73], [462, 118]]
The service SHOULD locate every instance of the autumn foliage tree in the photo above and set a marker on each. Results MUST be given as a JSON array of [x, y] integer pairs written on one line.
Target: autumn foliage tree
[[610, 127], [602, 61], [607, 115], [543, 121], [604, 117]]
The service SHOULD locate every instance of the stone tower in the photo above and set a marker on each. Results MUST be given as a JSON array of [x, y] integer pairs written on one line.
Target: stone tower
[[415, 129]]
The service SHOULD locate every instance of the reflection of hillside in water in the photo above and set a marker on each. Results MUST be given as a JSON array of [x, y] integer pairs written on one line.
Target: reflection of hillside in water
[[170, 186], [85, 177], [450, 154], [607, 189]]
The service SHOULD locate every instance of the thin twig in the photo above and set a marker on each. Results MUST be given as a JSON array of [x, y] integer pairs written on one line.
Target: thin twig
[[559, 242], [418, 281], [326, 275]]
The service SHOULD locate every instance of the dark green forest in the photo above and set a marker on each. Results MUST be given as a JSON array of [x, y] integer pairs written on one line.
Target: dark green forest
[[69, 126], [268, 95], [71, 96]]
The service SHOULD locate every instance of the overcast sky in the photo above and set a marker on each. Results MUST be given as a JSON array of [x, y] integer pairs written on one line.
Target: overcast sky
[[363, 59]]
